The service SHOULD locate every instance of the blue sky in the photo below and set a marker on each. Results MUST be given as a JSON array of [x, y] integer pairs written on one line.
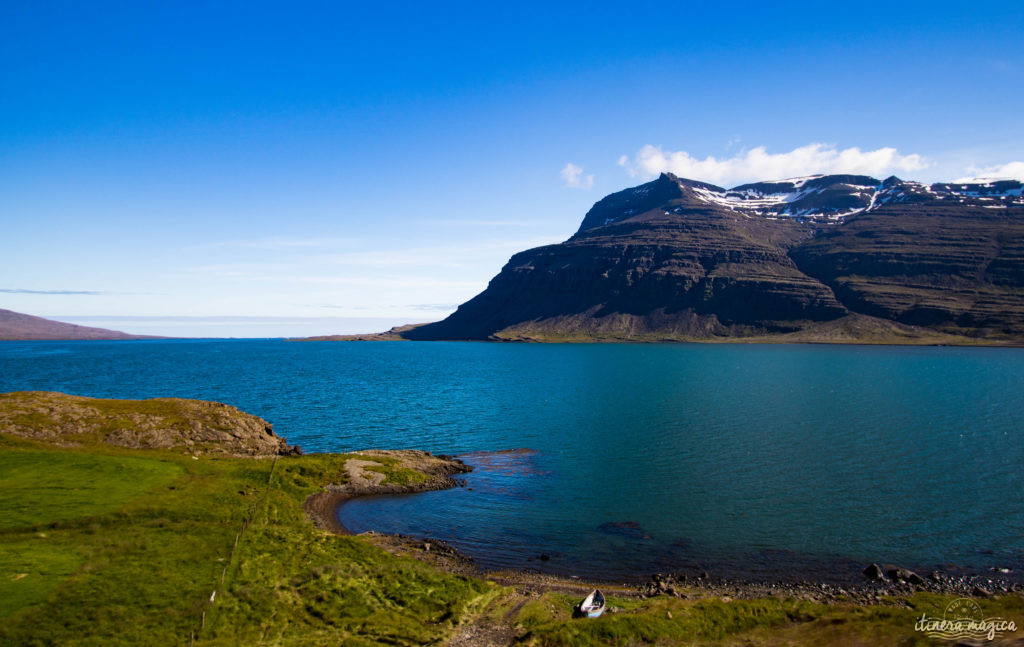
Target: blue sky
[[248, 168]]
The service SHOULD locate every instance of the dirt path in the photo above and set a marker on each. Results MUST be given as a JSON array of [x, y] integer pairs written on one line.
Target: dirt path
[[488, 631]]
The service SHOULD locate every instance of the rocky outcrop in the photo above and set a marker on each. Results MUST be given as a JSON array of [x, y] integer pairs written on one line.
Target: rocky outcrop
[[372, 472], [193, 426], [675, 259]]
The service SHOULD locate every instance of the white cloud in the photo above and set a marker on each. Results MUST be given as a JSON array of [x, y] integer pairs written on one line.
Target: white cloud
[[758, 164], [574, 178], [1010, 170]]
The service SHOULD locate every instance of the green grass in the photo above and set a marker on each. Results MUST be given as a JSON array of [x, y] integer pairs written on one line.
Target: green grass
[[662, 620], [38, 488], [139, 566], [30, 568], [770, 621]]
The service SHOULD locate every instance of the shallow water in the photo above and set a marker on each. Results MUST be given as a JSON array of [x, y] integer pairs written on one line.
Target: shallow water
[[740, 459]]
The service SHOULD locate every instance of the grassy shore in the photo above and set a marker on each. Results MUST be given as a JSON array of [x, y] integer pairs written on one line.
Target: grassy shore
[[109, 546], [105, 545]]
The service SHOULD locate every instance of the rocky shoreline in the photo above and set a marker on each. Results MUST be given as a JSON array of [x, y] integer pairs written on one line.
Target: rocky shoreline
[[891, 589], [875, 585], [881, 586]]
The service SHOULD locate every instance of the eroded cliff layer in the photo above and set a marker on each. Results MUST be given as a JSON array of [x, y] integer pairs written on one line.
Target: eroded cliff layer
[[678, 259]]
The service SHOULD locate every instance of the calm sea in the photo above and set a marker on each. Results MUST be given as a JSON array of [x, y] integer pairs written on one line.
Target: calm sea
[[743, 460]]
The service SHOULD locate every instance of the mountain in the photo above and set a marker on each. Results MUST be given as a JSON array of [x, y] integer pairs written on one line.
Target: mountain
[[835, 257], [14, 325]]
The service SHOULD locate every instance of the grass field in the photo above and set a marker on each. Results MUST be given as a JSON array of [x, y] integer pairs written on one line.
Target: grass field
[[768, 621], [109, 546]]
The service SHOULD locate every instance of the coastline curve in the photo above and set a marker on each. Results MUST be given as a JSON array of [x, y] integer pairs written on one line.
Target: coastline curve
[[434, 472]]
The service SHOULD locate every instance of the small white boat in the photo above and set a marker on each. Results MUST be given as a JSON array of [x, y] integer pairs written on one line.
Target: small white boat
[[592, 605]]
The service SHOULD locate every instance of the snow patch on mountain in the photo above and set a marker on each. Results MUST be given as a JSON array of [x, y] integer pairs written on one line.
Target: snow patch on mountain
[[833, 198]]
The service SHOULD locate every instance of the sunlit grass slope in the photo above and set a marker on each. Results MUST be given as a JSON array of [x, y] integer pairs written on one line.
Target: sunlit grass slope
[[103, 546]]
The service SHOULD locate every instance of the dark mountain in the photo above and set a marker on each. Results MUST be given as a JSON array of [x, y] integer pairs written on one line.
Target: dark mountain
[[944, 262], [827, 257], [14, 325]]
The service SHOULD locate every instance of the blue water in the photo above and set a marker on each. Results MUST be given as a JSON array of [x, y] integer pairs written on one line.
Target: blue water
[[739, 459]]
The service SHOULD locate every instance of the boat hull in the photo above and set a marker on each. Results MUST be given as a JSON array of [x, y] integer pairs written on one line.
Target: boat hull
[[592, 606]]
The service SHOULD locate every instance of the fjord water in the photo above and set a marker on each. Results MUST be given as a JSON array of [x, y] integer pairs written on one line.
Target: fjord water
[[743, 460]]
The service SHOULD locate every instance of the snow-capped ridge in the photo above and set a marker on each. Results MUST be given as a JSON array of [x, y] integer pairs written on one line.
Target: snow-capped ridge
[[823, 199], [833, 198], [816, 197], [986, 180]]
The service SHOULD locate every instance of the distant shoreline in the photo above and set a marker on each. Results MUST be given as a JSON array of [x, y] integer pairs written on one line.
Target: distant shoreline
[[766, 340], [758, 341], [849, 330]]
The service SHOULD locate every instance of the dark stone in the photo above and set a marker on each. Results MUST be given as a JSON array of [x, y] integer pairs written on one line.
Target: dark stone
[[904, 575], [874, 572], [544, 557]]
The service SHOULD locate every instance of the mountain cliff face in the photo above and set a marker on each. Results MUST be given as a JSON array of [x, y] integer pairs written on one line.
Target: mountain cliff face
[[679, 259]]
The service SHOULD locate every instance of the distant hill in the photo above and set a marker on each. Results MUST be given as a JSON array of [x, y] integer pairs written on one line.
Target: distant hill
[[18, 326], [820, 258], [395, 334]]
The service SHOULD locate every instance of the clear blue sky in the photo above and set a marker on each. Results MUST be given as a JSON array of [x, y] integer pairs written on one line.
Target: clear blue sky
[[300, 161]]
